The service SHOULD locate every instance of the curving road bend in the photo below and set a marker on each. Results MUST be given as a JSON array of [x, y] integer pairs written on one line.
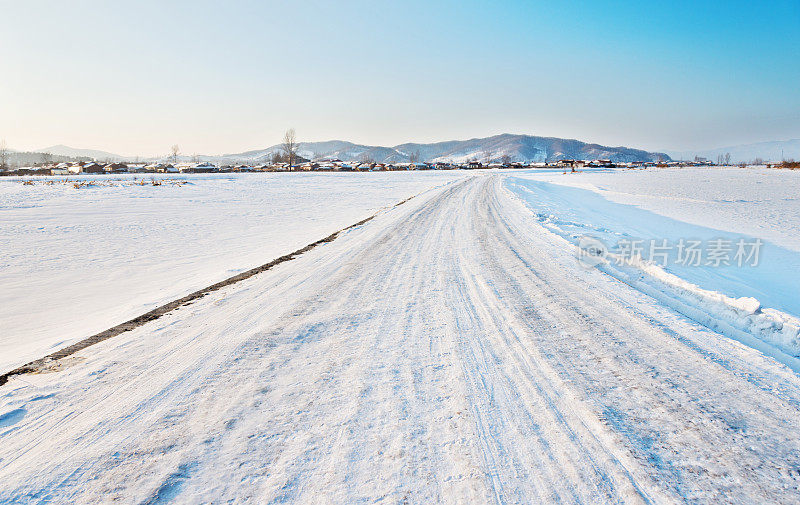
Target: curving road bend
[[451, 350]]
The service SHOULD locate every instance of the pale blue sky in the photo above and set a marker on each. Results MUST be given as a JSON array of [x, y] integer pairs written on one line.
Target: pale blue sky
[[216, 77]]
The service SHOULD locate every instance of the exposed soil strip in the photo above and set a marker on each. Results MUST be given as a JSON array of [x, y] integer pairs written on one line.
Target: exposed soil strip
[[41, 363]]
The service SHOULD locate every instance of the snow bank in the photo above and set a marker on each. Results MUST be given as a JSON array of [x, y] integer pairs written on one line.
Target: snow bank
[[729, 300], [730, 316]]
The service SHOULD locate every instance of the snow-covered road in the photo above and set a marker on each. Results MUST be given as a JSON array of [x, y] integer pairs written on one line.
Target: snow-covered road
[[450, 350]]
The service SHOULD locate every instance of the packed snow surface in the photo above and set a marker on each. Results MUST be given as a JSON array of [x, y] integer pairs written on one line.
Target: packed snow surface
[[448, 351], [74, 262]]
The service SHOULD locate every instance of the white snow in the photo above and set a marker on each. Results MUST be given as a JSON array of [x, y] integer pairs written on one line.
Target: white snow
[[704, 204], [448, 351], [757, 202], [74, 262]]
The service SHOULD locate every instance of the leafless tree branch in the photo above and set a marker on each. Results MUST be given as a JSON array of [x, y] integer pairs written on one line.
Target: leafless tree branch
[[289, 146]]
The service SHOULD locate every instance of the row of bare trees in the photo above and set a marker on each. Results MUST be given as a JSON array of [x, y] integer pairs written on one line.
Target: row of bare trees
[[489, 157], [287, 153], [5, 156], [289, 147], [175, 152]]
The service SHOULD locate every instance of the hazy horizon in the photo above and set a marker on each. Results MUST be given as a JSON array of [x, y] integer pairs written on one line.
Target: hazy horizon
[[689, 153], [134, 79]]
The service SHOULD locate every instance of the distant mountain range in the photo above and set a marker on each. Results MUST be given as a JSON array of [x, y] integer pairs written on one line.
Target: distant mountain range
[[523, 148], [767, 151], [526, 148], [62, 150]]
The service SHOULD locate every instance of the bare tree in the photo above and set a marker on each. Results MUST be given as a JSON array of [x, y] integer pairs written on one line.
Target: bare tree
[[505, 160], [727, 158], [46, 158], [175, 150], [276, 157], [487, 155], [289, 146], [366, 158], [4, 155], [413, 156]]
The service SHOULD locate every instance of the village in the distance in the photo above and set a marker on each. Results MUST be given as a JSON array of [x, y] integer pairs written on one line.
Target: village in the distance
[[167, 166]]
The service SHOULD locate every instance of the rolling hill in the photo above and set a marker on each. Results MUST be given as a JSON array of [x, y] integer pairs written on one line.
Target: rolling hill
[[527, 148]]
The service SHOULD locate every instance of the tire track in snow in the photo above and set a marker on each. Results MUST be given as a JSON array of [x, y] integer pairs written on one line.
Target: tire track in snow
[[625, 361], [445, 352]]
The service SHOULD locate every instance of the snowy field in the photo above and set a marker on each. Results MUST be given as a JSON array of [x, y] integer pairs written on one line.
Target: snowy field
[[448, 351], [451, 350], [758, 202], [74, 262]]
